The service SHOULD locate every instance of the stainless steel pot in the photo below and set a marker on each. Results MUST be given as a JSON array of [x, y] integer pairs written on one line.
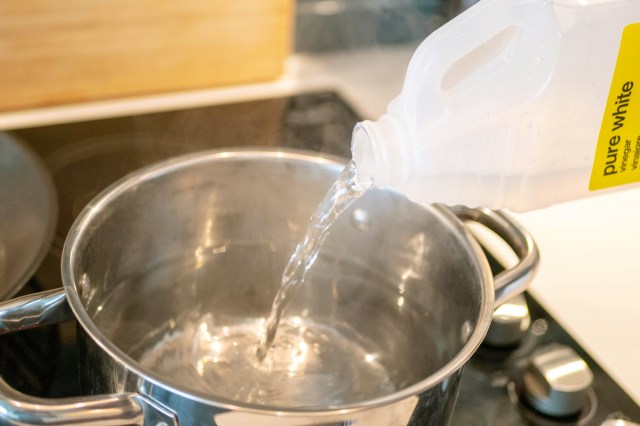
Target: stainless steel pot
[[208, 235]]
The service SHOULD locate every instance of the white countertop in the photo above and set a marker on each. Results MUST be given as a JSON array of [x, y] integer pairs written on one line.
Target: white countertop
[[589, 276]]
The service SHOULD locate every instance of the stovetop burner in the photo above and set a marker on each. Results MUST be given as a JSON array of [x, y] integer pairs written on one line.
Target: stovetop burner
[[505, 383]]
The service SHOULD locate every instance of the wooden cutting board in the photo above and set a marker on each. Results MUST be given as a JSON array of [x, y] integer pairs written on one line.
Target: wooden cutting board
[[54, 52]]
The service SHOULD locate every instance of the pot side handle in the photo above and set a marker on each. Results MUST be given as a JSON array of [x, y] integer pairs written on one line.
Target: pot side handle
[[34, 310], [515, 280], [16, 408]]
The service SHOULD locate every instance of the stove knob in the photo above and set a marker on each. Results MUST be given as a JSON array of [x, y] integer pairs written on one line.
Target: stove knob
[[556, 381], [510, 323]]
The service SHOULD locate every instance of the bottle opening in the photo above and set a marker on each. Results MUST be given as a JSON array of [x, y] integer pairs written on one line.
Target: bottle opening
[[364, 155], [380, 152]]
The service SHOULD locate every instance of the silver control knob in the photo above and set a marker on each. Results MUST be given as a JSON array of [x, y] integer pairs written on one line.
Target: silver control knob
[[510, 323], [556, 381], [620, 422]]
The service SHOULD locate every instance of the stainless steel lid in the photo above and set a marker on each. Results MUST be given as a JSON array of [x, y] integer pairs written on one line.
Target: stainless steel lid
[[28, 212]]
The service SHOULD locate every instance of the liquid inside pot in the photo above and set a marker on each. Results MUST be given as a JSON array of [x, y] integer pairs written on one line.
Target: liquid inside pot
[[308, 365], [316, 361]]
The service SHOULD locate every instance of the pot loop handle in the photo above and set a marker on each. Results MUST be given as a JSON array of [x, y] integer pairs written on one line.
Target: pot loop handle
[[510, 282], [16, 408]]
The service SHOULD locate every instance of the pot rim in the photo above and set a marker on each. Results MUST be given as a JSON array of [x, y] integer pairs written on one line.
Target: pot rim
[[103, 199]]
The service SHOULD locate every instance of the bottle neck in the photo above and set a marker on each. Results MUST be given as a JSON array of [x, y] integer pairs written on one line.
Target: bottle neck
[[380, 150]]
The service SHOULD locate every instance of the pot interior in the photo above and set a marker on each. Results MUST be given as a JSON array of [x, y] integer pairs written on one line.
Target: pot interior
[[177, 268]]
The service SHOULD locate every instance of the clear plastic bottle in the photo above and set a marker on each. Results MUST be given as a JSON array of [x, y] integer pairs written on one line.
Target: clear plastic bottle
[[514, 104]]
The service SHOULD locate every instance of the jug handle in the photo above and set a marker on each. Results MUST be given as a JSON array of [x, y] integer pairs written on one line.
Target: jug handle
[[502, 52], [47, 308], [514, 280]]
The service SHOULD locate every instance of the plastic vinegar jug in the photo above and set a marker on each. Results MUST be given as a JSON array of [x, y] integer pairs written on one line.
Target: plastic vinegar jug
[[514, 104]]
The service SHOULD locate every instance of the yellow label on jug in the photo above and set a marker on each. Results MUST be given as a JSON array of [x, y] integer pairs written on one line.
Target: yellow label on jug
[[617, 158]]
